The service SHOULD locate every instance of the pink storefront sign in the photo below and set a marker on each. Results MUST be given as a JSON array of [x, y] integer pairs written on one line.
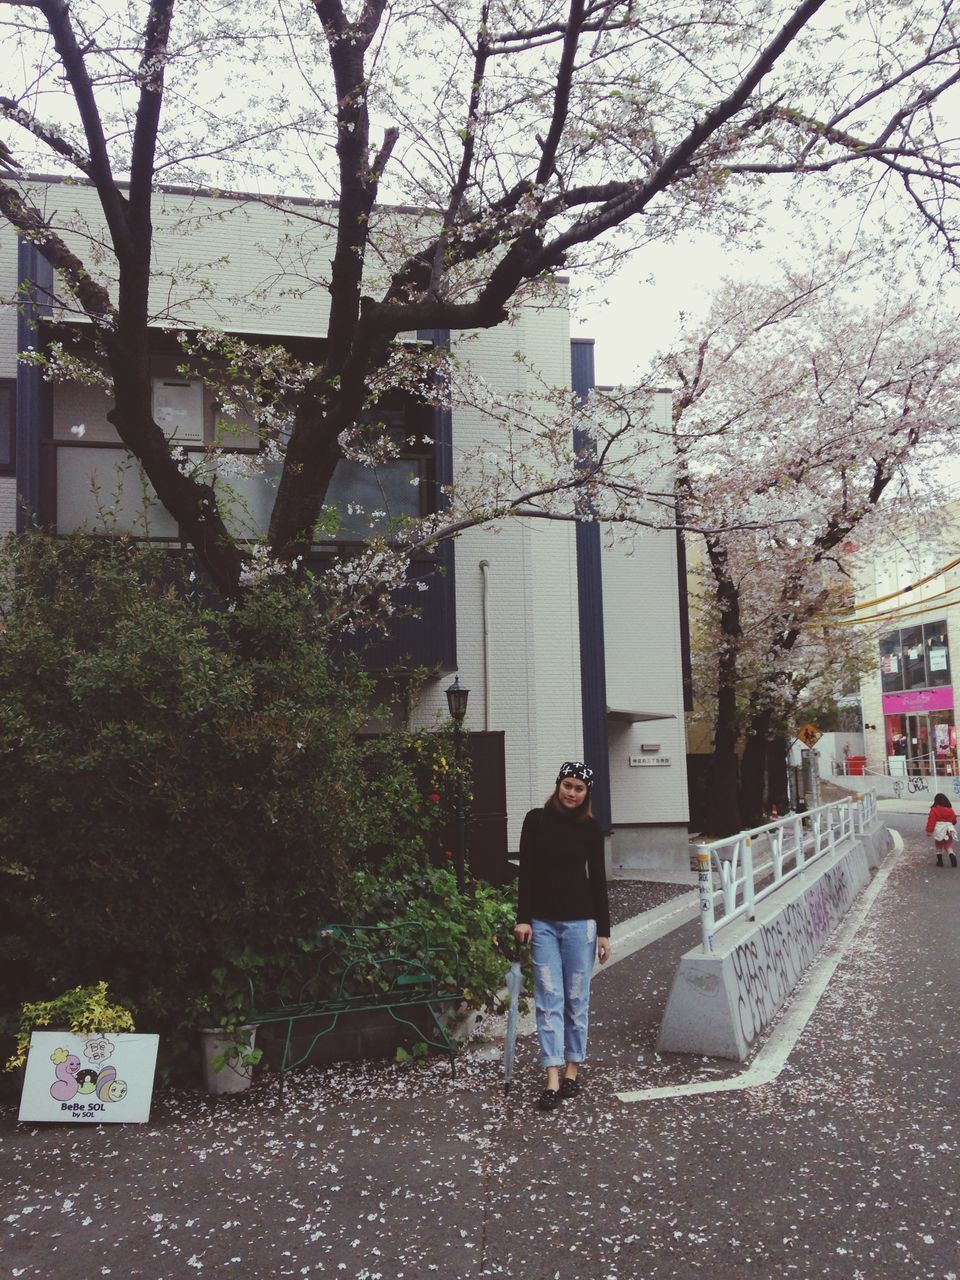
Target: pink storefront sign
[[901, 704]]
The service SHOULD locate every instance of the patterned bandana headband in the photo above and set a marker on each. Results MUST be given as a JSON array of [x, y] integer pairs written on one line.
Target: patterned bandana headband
[[576, 769]]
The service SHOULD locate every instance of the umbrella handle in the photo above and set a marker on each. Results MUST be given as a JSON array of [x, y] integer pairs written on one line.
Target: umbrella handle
[[508, 951]]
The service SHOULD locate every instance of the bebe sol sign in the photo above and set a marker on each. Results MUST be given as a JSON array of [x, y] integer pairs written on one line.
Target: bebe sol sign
[[102, 1078]]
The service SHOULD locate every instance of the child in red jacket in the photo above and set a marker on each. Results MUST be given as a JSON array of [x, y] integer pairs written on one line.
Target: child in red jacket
[[942, 825]]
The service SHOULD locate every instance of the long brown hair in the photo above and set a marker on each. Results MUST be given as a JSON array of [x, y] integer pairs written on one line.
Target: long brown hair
[[553, 802]]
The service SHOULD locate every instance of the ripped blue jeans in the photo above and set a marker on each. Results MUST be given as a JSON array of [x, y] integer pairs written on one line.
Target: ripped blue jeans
[[563, 953]]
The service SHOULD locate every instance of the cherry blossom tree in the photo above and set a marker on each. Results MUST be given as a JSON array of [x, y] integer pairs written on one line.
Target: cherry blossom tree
[[522, 140], [808, 410]]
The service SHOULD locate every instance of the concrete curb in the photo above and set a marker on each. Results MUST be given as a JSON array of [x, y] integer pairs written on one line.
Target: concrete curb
[[775, 1052], [721, 1001], [640, 931]]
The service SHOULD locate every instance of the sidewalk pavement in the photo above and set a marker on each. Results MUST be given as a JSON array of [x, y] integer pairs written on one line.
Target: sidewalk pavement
[[843, 1168], [913, 804]]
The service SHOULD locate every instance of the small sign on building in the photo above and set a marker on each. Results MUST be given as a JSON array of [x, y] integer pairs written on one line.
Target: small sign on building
[[648, 761], [77, 1079]]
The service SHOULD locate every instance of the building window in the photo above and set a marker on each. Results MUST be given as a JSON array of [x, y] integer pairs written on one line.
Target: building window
[[370, 499], [891, 676], [364, 500], [8, 433], [921, 743], [938, 654], [914, 661], [915, 658]]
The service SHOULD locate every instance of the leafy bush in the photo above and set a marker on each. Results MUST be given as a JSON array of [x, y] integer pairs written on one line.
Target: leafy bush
[[84, 1010], [182, 785], [477, 924]]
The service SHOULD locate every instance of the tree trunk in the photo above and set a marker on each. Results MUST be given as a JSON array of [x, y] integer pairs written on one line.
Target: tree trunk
[[777, 792], [724, 791], [753, 768], [724, 803]]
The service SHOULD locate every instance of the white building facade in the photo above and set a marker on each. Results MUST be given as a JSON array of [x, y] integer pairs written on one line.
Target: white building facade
[[571, 649], [909, 594]]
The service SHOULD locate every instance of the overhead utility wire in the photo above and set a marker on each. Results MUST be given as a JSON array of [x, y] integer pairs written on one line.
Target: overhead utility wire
[[894, 615], [867, 604]]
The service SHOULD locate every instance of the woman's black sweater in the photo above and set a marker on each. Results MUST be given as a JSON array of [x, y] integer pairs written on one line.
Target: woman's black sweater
[[562, 871]]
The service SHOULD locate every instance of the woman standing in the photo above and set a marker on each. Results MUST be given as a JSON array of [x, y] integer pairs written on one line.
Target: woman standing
[[563, 910]]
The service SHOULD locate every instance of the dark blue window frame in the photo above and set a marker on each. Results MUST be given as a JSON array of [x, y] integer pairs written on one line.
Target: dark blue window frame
[[8, 426]]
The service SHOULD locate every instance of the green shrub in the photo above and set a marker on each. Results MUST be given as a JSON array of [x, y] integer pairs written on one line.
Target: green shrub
[[181, 784], [83, 1010], [477, 924]]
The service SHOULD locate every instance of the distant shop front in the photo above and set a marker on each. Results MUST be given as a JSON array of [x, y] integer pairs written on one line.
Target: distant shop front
[[918, 700]]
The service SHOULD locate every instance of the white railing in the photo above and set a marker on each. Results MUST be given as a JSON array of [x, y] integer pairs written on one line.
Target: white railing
[[862, 770], [926, 766], [793, 843]]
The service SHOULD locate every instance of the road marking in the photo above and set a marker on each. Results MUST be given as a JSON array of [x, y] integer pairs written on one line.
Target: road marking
[[772, 1058]]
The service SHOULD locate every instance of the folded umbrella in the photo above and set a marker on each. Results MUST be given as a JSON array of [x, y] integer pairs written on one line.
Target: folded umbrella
[[514, 981]]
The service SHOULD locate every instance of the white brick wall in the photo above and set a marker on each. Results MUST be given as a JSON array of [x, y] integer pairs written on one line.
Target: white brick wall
[[535, 694], [226, 264], [534, 655], [8, 306], [644, 670], [871, 702], [534, 644], [244, 267]]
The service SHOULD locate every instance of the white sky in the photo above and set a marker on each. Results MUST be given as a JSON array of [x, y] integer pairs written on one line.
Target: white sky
[[646, 301], [662, 288]]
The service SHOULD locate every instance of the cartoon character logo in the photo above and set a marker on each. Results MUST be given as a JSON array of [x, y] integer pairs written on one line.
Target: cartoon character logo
[[67, 1065], [109, 1088], [86, 1080]]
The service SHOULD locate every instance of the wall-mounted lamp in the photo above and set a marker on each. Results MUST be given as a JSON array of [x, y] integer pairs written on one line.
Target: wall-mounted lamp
[[649, 746], [457, 697]]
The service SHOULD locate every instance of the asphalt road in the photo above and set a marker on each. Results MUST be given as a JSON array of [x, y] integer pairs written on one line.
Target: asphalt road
[[845, 1166]]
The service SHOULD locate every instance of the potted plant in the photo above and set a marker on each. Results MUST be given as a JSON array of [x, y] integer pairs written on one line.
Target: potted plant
[[228, 1043], [82, 1010]]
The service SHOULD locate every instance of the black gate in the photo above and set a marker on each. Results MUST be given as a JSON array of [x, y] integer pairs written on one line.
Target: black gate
[[487, 816]]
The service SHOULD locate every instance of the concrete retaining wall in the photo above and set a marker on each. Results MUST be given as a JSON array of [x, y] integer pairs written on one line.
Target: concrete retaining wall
[[913, 788], [720, 1003]]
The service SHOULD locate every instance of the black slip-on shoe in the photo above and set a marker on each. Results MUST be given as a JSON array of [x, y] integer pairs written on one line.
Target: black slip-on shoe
[[570, 1088], [549, 1100]]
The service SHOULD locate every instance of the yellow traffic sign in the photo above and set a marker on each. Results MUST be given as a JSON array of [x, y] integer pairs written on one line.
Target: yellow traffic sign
[[809, 735]]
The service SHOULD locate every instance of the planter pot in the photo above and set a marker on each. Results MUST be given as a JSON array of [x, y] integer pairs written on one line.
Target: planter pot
[[233, 1076]]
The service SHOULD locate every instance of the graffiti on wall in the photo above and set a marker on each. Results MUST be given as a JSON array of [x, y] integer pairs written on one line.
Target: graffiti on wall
[[768, 966]]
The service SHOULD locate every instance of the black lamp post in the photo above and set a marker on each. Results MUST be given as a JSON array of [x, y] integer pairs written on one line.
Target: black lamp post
[[457, 697]]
